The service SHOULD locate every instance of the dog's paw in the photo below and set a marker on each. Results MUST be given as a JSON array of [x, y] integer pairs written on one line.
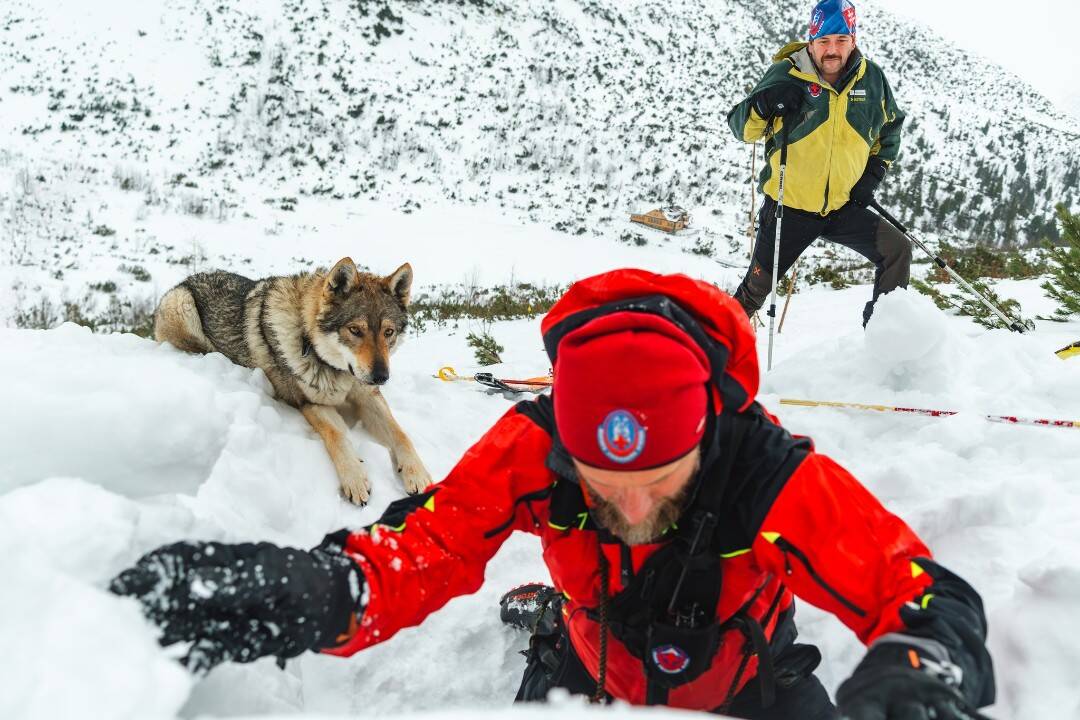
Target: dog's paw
[[355, 486], [414, 476]]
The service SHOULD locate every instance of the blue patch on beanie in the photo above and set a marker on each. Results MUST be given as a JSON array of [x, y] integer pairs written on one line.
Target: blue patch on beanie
[[832, 17]]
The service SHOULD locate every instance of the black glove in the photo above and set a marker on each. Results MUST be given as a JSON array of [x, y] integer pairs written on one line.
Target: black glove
[[862, 192], [245, 601], [778, 100], [904, 677]]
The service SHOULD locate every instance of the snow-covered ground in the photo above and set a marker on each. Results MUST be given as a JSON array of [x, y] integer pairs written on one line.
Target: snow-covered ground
[[111, 445]]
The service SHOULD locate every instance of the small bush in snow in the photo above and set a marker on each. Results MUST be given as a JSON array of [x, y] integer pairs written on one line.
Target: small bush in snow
[[485, 348], [136, 271], [503, 302], [40, 316], [835, 276], [123, 316], [979, 261], [1064, 282], [963, 303], [703, 247]]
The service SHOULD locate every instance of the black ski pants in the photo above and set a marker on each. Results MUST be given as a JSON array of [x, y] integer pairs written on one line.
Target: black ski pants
[[852, 226]]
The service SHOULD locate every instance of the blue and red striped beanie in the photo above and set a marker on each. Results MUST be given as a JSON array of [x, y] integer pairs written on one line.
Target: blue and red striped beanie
[[832, 17]]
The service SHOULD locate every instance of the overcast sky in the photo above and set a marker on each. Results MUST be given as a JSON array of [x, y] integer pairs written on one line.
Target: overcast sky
[[1039, 40]]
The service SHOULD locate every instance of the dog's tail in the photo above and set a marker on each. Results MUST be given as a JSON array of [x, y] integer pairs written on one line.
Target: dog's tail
[[177, 321]]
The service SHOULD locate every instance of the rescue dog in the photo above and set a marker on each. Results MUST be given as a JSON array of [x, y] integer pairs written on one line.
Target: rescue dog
[[324, 340]]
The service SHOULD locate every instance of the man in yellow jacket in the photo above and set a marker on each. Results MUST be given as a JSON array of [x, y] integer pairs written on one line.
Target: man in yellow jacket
[[844, 132]]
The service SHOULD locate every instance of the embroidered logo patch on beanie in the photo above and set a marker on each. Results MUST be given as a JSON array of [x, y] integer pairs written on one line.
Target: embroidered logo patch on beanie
[[621, 437]]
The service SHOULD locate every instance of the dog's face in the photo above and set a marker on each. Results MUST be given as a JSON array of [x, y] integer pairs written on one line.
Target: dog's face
[[361, 319]]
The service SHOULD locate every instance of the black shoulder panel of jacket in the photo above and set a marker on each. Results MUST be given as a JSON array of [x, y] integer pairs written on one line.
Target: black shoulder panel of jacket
[[766, 458], [952, 613], [541, 411]]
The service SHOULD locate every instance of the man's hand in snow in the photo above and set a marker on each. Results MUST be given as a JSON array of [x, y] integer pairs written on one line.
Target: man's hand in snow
[[244, 601], [905, 678]]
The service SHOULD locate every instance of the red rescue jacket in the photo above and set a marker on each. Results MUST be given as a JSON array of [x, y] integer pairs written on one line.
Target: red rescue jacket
[[794, 522]]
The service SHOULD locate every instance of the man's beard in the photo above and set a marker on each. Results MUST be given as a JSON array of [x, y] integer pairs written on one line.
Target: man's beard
[[663, 516]]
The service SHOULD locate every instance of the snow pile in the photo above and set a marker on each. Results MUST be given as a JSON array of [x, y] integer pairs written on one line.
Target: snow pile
[[70, 649], [996, 503]]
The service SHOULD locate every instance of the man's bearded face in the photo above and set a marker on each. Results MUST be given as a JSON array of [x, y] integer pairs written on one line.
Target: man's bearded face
[[664, 514], [831, 53], [638, 506]]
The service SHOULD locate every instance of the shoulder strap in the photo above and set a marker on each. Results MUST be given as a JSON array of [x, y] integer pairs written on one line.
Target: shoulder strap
[[722, 452]]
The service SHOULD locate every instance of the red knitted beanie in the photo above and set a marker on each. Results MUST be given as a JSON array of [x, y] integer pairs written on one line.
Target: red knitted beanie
[[630, 392]]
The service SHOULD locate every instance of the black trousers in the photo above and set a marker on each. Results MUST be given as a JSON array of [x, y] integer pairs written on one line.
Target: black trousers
[[852, 226], [552, 662]]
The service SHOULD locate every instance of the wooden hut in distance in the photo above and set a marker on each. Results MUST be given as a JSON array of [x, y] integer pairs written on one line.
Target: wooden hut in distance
[[669, 220]]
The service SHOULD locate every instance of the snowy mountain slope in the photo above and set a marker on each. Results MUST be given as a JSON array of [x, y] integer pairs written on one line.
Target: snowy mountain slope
[[561, 110], [134, 445]]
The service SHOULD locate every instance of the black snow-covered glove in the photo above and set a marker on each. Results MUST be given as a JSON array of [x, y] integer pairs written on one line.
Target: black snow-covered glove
[[905, 678], [244, 601], [778, 100], [862, 192], [937, 669]]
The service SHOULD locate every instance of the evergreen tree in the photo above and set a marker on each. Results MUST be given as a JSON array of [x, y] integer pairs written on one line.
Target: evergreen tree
[[485, 347], [1064, 282], [964, 304]]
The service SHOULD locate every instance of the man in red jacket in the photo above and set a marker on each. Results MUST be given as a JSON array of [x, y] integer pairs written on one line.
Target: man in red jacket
[[678, 519]]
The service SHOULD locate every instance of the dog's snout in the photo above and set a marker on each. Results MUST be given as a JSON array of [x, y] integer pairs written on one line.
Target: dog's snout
[[380, 374]]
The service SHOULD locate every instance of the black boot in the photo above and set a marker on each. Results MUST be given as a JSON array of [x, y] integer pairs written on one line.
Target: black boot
[[534, 607]]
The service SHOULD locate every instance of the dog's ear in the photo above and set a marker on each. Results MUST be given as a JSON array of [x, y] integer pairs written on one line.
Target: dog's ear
[[343, 279], [400, 283]]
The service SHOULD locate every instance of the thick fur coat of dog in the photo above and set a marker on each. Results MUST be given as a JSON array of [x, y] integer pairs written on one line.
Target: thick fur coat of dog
[[324, 340]]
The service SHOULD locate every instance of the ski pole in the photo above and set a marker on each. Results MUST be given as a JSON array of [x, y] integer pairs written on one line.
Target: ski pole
[[752, 229], [1009, 322], [777, 234], [1069, 351], [448, 374], [1008, 419]]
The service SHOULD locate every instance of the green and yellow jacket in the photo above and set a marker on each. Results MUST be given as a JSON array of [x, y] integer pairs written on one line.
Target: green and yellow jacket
[[833, 135]]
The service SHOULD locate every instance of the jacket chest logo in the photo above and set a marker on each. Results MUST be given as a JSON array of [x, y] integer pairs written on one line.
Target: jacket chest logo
[[670, 659], [857, 95], [814, 89]]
